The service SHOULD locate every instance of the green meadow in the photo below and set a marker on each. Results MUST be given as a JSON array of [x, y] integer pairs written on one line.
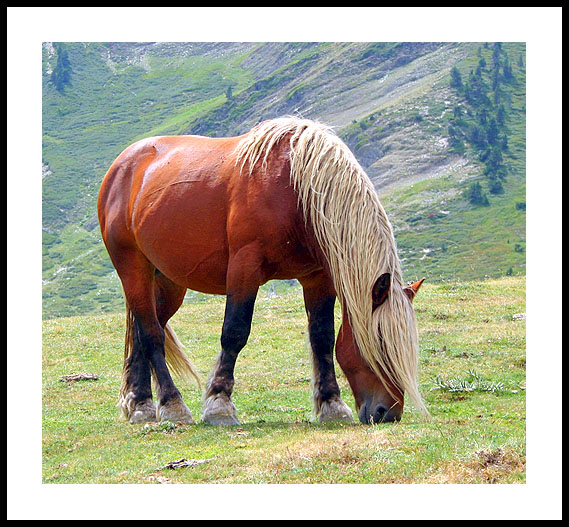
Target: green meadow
[[472, 376]]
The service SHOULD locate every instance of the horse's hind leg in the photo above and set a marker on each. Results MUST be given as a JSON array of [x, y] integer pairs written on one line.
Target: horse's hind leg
[[319, 299], [169, 297], [146, 354], [135, 398]]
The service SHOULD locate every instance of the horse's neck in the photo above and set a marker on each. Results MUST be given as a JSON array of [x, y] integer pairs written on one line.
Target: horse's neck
[[345, 333]]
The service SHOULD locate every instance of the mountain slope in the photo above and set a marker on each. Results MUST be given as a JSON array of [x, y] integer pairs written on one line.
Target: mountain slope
[[391, 102]]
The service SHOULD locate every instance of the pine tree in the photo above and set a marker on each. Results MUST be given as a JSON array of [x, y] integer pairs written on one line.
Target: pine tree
[[61, 75], [476, 195], [508, 73], [501, 115], [495, 186], [455, 78], [492, 131]]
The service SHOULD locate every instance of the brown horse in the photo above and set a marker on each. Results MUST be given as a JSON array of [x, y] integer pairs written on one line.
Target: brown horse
[[225, 215]]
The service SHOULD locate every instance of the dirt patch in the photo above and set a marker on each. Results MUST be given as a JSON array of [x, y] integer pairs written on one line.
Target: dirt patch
[[495, 465]]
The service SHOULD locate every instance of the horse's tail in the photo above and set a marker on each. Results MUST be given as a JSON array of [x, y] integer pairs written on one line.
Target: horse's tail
[[176, 357], [128, 347]]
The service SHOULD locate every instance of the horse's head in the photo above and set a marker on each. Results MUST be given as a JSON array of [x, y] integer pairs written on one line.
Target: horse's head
[[376, 400]]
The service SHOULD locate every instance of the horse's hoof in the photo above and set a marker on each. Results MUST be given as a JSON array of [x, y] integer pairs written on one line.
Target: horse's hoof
[[175, 411], [221, 420], [143, 414], [219, 410], [335, 410], [137, 412]]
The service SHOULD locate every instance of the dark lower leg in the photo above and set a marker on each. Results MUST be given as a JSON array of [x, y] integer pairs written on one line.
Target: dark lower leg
[[234, 335], [151, 342], [148, 342], [218, 406], [319, 299], [136, 391], [137, 376], [321, 333]]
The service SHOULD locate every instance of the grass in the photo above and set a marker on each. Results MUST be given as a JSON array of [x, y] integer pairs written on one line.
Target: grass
[[475, 436]]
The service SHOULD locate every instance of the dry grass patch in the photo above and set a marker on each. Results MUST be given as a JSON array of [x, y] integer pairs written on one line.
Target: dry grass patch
[[499, 465], [346, 451]]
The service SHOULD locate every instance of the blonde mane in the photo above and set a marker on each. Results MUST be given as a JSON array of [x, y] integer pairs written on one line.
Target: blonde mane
[[352, 229]]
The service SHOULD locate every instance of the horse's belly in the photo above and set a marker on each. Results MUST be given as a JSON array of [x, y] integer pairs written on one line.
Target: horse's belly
[[195, 267], [181, 230]]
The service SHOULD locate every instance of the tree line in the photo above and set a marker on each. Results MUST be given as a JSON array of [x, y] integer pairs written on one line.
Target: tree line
[[481, 120]]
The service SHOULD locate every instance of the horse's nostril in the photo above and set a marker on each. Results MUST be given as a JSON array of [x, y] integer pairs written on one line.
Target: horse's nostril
[[379, 414]]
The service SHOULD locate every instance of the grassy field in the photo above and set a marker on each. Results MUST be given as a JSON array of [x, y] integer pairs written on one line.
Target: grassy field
[[472, 358]]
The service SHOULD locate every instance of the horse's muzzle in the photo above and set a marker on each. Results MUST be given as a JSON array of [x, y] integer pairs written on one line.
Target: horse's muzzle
[[378, 414]]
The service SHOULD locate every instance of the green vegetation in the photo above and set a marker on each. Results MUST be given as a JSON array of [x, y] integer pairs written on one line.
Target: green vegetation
[[475, 195], [443, 237], [61, 75], [472, 375], [457, 224], [490, 98]]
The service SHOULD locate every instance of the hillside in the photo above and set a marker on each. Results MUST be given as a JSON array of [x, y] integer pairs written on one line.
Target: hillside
[[392, 103]]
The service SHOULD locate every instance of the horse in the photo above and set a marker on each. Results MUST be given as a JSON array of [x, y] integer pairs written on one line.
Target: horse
[[286, 200]]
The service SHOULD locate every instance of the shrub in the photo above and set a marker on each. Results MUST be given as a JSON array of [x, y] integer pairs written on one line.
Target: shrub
[[475, 195]]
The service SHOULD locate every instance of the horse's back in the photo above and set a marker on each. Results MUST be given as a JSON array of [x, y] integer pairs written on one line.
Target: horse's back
[[184, 203]]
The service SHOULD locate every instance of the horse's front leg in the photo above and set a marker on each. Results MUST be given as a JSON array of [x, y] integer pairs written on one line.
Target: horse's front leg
[[219, 409], [243, 282], [319, 299]]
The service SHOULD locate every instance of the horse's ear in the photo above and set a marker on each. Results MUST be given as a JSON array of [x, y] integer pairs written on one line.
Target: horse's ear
[[380, 290], [412, 289]]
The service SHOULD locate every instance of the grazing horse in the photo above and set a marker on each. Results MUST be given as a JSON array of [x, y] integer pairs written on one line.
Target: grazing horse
[[225, 215]]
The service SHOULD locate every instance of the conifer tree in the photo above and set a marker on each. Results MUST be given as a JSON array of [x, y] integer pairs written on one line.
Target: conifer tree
[[476, 195], [61, 75], [455, 78]]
